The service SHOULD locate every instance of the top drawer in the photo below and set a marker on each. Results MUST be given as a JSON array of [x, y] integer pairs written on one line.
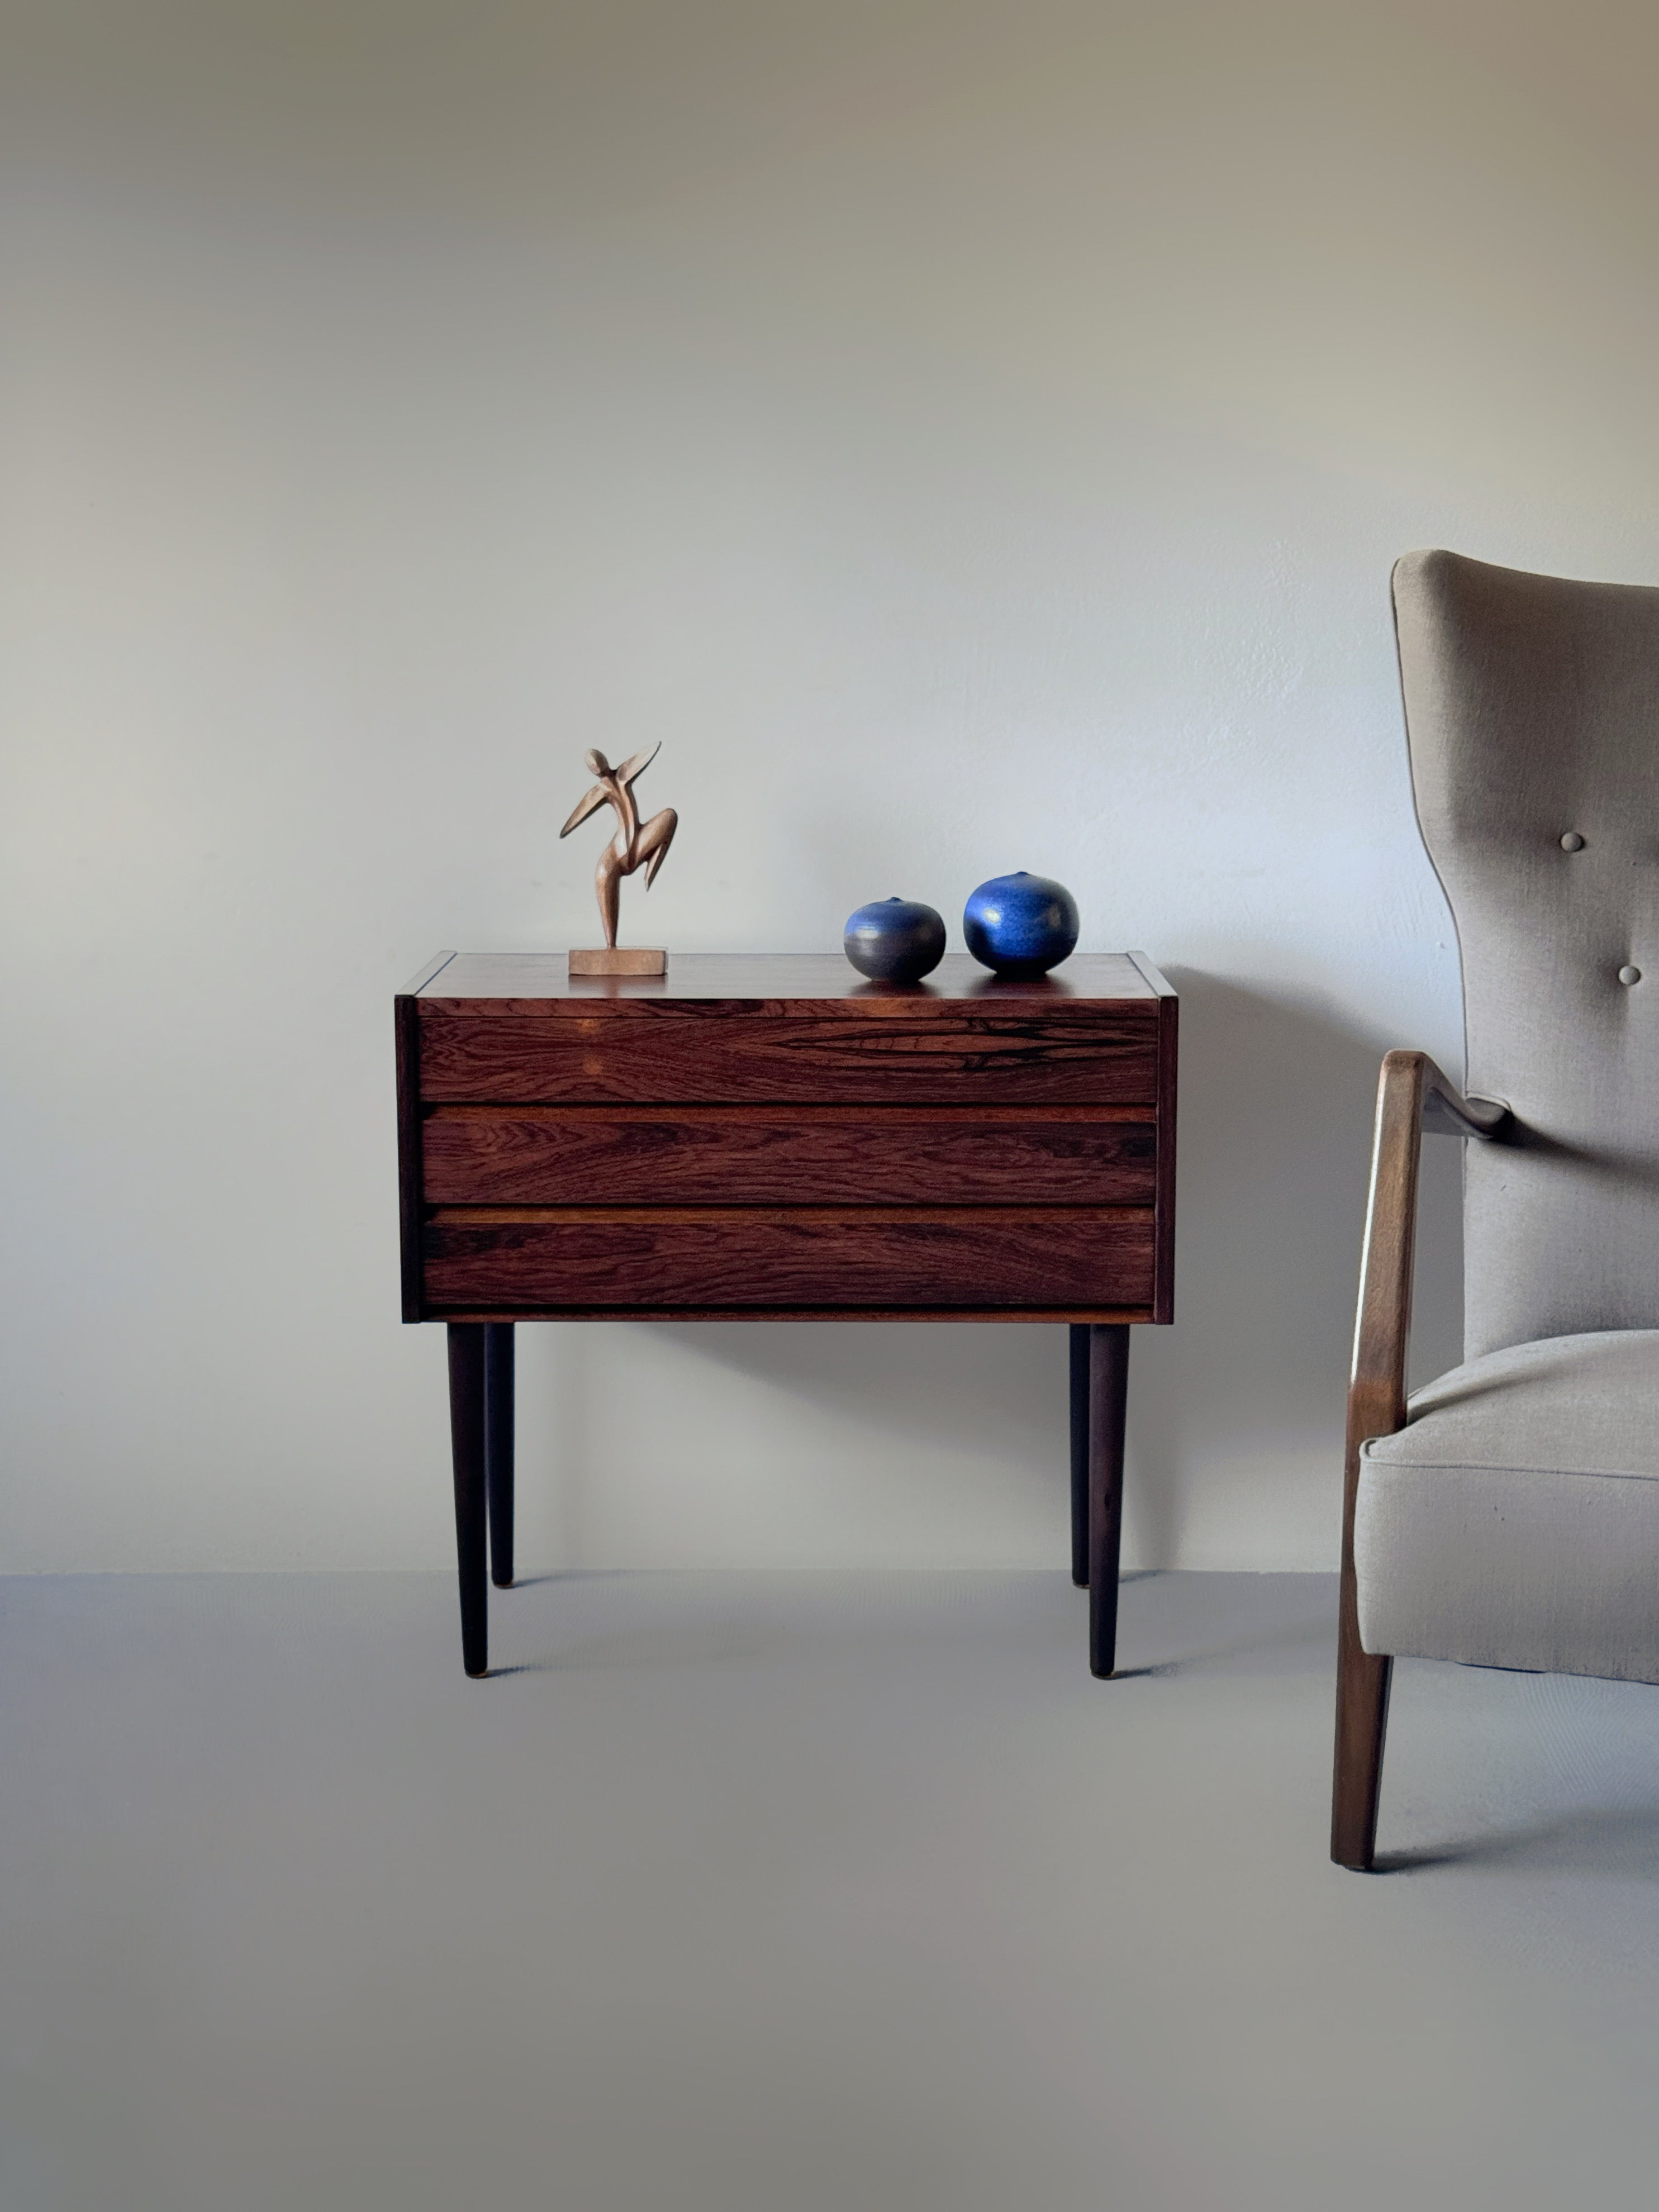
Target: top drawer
[[888, 1052]]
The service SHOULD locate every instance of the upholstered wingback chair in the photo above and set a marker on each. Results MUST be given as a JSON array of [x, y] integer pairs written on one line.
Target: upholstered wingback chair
[[1508, 1516]]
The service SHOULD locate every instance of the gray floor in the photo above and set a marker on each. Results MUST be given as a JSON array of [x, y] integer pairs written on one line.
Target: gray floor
[[801, 1894]]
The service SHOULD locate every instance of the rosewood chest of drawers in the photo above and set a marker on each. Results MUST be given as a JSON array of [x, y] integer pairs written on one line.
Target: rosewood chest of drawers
[[770, 1138]]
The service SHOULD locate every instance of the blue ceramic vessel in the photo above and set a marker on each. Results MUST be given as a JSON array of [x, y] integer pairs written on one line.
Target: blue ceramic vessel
[[895, 941], [1020, 925]]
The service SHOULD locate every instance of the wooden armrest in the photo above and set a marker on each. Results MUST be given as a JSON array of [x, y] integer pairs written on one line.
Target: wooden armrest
[[1411, 1095]]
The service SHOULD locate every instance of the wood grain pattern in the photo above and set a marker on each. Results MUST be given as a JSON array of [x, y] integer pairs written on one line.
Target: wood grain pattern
[[748, 1258], [1056, 1054], [803, 1155], [523, 981]]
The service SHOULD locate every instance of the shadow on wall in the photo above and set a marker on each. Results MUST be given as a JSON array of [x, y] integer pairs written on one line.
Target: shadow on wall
[[1277, 1101], [1238, 1411]]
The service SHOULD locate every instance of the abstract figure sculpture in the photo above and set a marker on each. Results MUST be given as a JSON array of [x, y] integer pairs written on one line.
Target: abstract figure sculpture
[[636, 843]]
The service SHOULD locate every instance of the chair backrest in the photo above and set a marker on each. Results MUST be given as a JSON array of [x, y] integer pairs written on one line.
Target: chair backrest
[[1532, 714]]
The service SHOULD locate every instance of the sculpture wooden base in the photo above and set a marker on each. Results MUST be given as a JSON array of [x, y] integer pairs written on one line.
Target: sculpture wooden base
[[613, 960]]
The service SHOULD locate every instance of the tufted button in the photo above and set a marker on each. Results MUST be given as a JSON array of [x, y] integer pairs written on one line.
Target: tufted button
[[1571, 841], [1629, 974]]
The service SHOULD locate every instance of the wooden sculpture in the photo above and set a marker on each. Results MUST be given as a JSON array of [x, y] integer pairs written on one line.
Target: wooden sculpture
[[636, 843]]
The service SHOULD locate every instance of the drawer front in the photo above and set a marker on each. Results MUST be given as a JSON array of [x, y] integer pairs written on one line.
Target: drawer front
[[886, 1052], [822, 1155], [730, 1259]]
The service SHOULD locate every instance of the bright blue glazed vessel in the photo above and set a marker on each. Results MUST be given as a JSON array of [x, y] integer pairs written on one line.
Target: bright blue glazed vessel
[[1020, 925], [895, 941]]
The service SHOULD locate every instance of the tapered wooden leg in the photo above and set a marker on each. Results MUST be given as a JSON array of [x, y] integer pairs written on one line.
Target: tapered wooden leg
[[1362, 1714], [498, 1448], [1080, 1335], [1109, 1385], [1362, 1721], [467, 1430]]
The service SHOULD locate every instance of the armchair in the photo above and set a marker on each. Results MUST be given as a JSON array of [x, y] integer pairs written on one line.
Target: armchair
[[1508, 1514]]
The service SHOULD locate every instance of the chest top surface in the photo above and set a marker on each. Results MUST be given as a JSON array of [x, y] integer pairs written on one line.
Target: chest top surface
[[503, 982]]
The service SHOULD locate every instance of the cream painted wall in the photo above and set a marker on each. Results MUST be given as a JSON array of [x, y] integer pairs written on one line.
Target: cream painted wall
[[971, 436]]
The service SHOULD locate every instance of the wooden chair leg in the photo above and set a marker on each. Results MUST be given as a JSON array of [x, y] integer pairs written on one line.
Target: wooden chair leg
[[1109, 1389], [1363, 1681], [1362, 1721], [498, 1448], [467, 1430], [1080, 1335]]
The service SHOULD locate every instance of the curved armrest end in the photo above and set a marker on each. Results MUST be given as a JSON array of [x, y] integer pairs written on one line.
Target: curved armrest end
[[1445, 1110]]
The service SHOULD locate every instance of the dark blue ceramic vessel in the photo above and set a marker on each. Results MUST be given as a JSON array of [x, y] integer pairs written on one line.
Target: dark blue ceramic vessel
[[895, 941], [1020, 925]]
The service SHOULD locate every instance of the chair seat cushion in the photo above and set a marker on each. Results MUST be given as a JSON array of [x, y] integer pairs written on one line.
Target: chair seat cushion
[[1514, 1521]]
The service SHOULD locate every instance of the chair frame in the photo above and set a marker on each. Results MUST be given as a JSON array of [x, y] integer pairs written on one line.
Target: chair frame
[[1411, 1095]]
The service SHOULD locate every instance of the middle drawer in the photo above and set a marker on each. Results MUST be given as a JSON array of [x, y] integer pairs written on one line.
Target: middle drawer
[[788, 1156]]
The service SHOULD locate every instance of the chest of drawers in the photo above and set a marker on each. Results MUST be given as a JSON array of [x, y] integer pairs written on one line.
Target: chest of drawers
[[768, 1139]]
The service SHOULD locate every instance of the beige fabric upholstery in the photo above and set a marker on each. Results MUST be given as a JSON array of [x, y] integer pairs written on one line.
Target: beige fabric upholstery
[[1532, 710], [1514, 1522]]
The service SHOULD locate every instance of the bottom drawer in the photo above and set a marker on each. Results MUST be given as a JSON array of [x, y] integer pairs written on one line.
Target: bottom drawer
[[731, 1258]]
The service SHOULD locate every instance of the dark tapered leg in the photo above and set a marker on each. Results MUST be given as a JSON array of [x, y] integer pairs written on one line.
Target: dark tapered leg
[[1080, 1455], [1362, 1713], [1362, 1722], [1109, 1389], [467, 1430], [498, 1448]]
